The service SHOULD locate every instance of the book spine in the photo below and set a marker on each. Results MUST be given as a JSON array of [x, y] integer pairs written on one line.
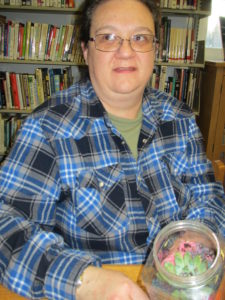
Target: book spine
[[19, 91], [39, 80], [16, 101]]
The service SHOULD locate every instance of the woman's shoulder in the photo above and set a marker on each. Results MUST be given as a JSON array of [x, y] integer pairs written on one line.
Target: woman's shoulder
[[166, 104]]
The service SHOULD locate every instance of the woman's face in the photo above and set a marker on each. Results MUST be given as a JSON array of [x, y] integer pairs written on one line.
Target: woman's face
[[124, 71]]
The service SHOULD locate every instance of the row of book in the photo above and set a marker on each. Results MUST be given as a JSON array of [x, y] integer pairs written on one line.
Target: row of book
[[182, 83], [8, 128], [27, 91], [40, 3], [179, 4], [176, 45], [40, 41]]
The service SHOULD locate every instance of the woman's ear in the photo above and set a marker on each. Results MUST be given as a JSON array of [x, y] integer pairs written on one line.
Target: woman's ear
[[85, 52]]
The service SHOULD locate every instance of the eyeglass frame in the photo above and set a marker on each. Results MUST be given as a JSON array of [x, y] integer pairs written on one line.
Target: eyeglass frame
[[154, 41]]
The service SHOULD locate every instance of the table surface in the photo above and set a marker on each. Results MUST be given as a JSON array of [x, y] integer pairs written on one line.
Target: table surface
[[132, 271]]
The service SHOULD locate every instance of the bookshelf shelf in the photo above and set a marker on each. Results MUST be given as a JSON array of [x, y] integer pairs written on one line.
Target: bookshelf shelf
[[40, 9], [16, 111], [41, 62], [179, 65], [194, 12]]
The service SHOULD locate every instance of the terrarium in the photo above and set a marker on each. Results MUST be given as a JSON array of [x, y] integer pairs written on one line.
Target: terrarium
[[186, 263]]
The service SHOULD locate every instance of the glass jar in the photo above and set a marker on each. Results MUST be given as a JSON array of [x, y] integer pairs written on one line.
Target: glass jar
[[186, 263]]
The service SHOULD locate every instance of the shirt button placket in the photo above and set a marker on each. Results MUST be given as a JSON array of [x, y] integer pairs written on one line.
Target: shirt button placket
[[101, 184]]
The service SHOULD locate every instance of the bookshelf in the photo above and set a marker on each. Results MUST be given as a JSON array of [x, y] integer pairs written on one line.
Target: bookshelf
[[180, 56], [179, 17], [10, 117]]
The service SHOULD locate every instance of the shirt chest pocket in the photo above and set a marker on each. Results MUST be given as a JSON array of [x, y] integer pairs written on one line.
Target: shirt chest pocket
[[98, 197]]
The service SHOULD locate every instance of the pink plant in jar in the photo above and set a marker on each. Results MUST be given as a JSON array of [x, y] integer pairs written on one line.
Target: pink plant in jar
[[186, 263]]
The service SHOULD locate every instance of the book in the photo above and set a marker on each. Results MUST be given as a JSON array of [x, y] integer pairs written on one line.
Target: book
[[162, 78], [24, 41], [15, 93], [48, 40], [2, 91], [46, 83], [16, 40], [20, 40], [36, 42], [54, 80], [27, 43], [32, 91], [23, 91], [2, 135], [54, 44], [68, 39], [19, 91], [51, 39], [43, 39], [11, 41], [26, 90], [9, 90], [40, 89], [61, 40]]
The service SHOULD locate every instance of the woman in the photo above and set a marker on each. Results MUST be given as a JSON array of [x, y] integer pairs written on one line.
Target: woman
[[100, 168]]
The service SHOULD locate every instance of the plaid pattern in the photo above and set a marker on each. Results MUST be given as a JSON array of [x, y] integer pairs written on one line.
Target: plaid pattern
[[73, 195]]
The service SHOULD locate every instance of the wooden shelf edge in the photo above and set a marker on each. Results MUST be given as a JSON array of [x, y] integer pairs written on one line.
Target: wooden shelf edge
[[66, 63], [182, 65], [40, 8], [40, 62], [15, 111], [185, 11]]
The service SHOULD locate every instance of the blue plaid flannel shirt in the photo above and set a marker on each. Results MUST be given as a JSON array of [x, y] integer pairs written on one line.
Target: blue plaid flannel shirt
[[72, 194]]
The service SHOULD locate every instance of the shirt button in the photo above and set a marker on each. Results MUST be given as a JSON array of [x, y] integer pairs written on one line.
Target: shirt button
[[123, 142], [144, 141], [101, 184]]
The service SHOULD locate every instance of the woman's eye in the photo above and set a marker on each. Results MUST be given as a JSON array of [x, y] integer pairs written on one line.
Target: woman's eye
[[139, 38], [109, 37]]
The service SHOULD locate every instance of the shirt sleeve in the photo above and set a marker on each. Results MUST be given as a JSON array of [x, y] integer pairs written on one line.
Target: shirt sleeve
[[207, 199], [35, 262]]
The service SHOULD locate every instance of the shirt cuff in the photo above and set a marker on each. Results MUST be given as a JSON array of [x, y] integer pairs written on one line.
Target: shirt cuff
[[61, 277]]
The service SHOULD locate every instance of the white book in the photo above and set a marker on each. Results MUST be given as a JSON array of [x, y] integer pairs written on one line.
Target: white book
[[174, 4], [11, 43], [42, 44], [189, 32], [8, 85], [2, 135], [19, 90], [34, 3], [165, 4], [162, 78], [32, 43]]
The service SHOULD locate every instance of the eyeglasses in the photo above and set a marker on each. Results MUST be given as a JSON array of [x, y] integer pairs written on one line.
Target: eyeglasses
[[110, 42]]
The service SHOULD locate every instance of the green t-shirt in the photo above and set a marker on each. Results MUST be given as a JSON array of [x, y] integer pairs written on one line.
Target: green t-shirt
[[129, 129]]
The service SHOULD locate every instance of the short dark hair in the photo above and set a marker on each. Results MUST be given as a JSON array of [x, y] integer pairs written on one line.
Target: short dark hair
[[89, 6]]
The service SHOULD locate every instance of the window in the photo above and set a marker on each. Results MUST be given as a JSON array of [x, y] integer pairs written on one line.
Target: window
[[214, 46]]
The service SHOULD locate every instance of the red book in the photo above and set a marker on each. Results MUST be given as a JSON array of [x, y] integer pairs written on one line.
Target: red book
[[51, 38], [71, 4], [15, 94], [20, 41]]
